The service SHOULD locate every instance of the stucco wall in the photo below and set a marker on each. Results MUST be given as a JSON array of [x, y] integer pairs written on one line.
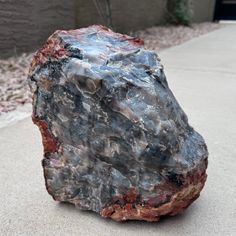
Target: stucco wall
[[131, 15], [25, 24], [203, 10], [126, 15]]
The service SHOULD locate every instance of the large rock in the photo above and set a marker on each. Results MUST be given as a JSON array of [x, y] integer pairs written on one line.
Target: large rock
[[115, 139]]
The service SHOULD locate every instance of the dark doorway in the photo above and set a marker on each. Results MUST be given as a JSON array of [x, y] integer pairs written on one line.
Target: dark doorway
[[225, 10]]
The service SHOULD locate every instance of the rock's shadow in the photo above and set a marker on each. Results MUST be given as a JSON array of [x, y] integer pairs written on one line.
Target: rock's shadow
[[164, 220]]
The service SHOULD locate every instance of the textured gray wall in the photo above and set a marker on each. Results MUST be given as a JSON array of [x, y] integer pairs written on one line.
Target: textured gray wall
[[26, 24], [203, 10]]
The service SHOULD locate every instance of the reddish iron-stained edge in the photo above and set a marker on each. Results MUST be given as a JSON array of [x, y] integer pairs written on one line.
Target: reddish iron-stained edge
[[50, 143], [179, 201]]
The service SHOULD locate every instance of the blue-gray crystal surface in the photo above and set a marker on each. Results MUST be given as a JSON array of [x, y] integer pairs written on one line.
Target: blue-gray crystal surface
[[115, 139]]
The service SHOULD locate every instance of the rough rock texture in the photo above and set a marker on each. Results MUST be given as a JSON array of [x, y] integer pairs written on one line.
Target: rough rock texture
[[115, 139]]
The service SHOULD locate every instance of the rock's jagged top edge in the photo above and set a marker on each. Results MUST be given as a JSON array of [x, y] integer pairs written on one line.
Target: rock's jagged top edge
[[55, 46], [102, 29]]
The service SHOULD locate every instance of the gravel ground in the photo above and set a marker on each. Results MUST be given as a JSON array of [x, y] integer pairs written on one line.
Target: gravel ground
[[14, 90], [162, 37]]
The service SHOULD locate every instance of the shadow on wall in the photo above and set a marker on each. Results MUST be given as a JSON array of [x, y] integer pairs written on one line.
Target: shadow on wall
[[126, 15], [25, 25]]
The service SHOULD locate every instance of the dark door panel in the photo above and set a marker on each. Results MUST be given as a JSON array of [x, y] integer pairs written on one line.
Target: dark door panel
[[225, 10]]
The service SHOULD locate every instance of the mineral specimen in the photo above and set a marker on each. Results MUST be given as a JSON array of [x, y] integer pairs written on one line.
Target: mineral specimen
[[115, 139]]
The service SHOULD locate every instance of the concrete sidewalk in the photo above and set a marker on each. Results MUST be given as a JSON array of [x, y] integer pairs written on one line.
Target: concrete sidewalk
[[202, 75]]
